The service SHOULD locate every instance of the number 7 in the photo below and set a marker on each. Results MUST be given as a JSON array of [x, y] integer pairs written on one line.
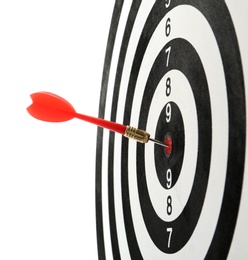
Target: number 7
[[169, 230], [168, 51]]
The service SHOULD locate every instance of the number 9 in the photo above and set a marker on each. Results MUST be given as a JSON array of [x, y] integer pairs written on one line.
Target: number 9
[[168, 178], [168, 112]]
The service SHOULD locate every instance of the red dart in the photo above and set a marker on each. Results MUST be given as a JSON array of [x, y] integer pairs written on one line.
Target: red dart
[[53, 108]]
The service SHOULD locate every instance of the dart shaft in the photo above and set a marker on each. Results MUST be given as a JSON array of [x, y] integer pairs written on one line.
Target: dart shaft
[[136, 134], [128, 131], [112, 126]]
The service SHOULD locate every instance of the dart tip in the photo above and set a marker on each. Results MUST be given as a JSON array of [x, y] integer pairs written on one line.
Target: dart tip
[[158, 142]]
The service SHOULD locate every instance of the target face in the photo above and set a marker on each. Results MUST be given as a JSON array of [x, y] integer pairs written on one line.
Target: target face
[[173, 68]]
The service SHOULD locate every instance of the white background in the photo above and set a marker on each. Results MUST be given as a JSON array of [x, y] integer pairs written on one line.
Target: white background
[[47, 171]]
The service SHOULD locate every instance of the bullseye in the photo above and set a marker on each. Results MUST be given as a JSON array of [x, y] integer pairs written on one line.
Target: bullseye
[[168, 142]]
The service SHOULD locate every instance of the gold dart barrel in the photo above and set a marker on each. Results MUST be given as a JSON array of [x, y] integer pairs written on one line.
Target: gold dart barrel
[[137, 134]]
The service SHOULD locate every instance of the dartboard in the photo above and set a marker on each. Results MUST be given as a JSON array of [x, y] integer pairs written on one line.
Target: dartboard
[[174, 69]]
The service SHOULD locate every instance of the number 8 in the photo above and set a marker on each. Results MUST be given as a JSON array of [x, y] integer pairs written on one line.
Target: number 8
[[168, 86]]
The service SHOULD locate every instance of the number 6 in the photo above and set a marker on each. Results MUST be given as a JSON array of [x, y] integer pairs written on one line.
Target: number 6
[[167, 27]]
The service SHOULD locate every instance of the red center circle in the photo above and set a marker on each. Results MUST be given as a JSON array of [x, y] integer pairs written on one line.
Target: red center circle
[[168, 142]]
